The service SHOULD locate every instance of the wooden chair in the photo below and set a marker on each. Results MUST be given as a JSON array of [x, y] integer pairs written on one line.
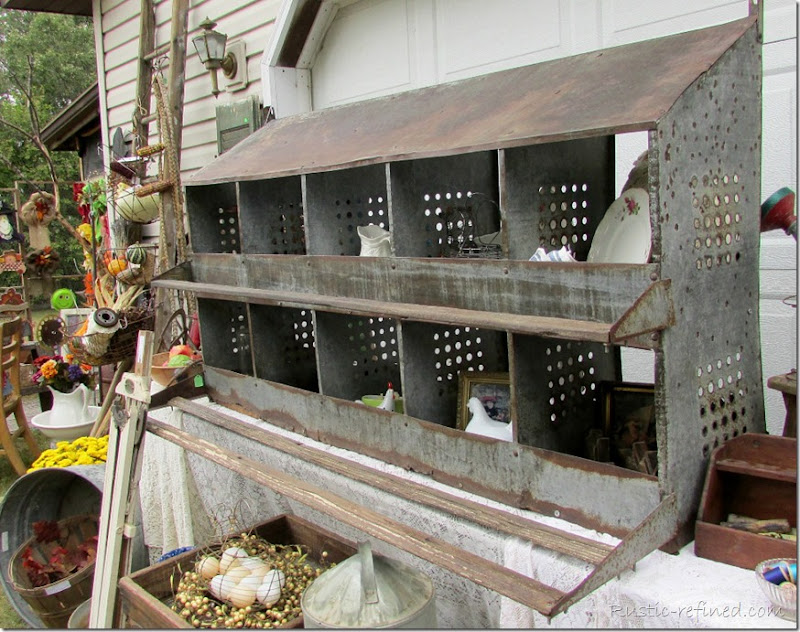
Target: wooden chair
[[11, 337]]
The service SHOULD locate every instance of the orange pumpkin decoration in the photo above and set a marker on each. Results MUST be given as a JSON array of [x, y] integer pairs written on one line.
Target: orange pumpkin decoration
[[115, 266]]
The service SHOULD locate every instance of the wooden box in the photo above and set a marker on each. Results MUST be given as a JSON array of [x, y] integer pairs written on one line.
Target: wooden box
[[145, 595], [752, 475]]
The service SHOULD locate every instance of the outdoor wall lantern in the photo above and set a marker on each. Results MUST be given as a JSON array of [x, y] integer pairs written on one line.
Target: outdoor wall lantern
[[210, 45]]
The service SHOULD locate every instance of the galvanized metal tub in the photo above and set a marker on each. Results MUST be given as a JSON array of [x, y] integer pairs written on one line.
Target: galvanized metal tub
[[367, 591], [51, 493]]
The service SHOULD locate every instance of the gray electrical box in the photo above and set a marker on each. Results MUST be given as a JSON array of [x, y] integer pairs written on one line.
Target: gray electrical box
[[236, 121]]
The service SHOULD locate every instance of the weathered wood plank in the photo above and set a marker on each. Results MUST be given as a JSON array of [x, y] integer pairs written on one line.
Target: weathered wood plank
[[516, 586], [524, 476], [503, 521], [565, 328]]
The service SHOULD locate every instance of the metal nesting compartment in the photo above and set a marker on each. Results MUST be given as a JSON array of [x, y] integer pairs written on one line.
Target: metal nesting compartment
[[347, 324]]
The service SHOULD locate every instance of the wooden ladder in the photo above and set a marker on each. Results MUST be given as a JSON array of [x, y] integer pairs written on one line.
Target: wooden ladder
[[172, 232]]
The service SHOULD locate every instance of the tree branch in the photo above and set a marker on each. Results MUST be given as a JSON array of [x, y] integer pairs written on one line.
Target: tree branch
[[17, 128]]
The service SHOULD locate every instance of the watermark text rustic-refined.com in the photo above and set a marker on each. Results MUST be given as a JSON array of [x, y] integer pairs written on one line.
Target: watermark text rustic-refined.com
[[701, 609]]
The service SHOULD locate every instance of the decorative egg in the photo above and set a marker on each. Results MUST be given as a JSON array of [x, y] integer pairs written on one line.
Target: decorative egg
[[136, 253], [208, 567], [243, 594], [228, 556], [237, 572], [275, 576], [269, 592], [220, 587], [256, 566]]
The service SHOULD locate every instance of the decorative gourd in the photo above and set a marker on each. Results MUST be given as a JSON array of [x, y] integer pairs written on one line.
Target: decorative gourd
[[136, 254], [115, 266]]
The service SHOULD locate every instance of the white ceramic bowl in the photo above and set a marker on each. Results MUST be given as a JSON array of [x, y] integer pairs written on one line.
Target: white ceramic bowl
[[783, 597], [63, 432]]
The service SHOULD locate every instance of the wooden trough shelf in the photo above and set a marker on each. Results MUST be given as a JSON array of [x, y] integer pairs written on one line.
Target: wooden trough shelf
[[761, 470], [649, 312], [608, 561]]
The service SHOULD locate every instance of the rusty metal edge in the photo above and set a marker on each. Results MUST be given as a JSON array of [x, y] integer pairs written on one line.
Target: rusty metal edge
[[656, 529]]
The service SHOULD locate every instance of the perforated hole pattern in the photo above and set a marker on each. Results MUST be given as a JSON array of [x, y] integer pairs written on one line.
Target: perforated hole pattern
[[354, 212], [563, 219], [721, 389], [571, 380], [715, 201], [458, 349], [240, 341], [288, 230], [299, 346], [446, 221], [374, 345], [228, 229]]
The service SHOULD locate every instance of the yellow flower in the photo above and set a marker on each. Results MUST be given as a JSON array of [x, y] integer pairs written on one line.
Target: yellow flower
[[49, 369], [85, 231]]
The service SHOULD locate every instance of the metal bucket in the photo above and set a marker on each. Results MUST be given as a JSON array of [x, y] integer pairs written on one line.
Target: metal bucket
[[367, 591], [79, 619], [51, 493]]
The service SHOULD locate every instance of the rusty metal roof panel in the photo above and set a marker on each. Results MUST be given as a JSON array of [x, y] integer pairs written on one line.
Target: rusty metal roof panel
[[615, 90]]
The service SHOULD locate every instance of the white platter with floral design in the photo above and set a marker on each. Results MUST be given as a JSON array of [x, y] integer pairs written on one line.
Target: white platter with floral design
[[624, 234]]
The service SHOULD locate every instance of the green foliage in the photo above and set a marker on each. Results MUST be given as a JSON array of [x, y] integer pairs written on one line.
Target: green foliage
[[62, 65], [51, 59], [94, 194]]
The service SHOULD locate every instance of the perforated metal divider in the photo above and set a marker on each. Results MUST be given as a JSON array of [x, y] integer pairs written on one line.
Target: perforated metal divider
[[556, 387], [357, 355], [428, 195], [283, 345], [338, 202], [225, 333], [214, 222], [556, 194], [433, 358], [710, 238], [272, 211]]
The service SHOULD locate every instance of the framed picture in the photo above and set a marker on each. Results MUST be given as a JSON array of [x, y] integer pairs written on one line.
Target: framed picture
[[73, 318], [492, 389], [628, 420]]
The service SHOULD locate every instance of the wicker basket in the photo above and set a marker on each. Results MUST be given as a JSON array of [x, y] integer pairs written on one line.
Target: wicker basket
[[55, 602], [139, 275], [122, 343]]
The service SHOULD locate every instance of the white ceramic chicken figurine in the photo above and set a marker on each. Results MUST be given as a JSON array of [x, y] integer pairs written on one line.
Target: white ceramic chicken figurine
[[482, 424], [388, 400]]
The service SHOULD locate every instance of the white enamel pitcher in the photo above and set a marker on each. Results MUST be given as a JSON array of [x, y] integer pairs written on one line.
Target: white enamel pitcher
[[71, 408]]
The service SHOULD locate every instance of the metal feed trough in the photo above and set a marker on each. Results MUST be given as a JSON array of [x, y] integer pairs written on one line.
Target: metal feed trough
[[276, 273]]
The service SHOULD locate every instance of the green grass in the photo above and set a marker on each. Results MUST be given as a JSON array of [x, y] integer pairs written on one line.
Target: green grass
[[9, 618]]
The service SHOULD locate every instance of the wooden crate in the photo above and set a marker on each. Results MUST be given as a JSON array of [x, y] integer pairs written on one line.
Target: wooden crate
[[752, 475], [144, 594]]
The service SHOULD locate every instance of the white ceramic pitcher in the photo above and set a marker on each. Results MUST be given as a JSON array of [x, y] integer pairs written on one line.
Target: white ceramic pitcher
[[70, 408], [375, 241]]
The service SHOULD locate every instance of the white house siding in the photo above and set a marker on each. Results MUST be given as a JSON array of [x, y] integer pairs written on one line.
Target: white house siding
[[248, 21], [377, 47]]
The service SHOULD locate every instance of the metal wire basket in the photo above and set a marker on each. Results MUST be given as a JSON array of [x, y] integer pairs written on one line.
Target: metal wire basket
[[120, 345]]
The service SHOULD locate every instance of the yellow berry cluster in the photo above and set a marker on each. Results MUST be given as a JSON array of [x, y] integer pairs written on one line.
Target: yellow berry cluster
[[81, 451]]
